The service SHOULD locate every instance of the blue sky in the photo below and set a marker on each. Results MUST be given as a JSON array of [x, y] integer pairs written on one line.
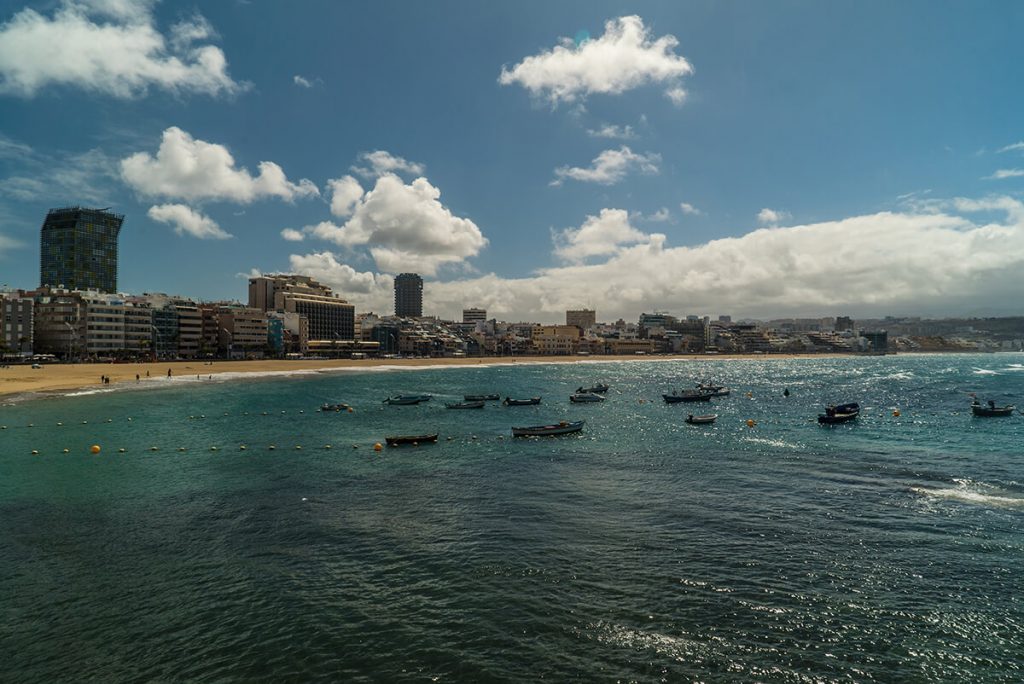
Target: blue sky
[[755, 159]]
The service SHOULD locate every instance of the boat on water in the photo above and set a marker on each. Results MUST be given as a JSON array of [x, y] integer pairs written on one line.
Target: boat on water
[[407, 399], [532, 401], [841, 413], [586, 397], [399, 440], [991, 410], [702, 420], [599, 388], [334, 408], [466, 405], [713, 390], [481, 397], [562, 428], [686, 396]]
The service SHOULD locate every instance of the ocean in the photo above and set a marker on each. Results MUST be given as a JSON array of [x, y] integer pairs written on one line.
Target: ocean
[[890, 549]]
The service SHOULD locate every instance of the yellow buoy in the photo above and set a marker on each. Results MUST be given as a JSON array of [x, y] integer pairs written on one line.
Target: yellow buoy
[[750, 423], [378, 446], [896, 413], [350, 409], [95, 448]]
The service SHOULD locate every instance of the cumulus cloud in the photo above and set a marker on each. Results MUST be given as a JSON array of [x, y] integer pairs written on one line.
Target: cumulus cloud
[[612, 132], [345, 192], [689, 209], [1005, 173], [405, 226], [937, 262], [363, 286], [610, 167], [302, 82], [111, 47], [599, 235], [771, 217], [625, 57], [292, 235], [192, 170], [187, 221], [380, 162]]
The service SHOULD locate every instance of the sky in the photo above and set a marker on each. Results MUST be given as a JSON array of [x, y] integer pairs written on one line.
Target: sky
[[759, 160]]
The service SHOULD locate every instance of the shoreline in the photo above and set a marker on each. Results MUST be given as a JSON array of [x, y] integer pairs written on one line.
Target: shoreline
[[61, 379]]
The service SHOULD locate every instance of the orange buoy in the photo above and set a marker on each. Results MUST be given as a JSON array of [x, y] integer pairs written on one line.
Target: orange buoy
[[95, 448], [378, 447], [896, 413], [751, 423]]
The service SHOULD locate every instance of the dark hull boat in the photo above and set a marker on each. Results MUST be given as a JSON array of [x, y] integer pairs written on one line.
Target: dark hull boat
[[991, 411], [563, 428], [596, 389], [688, 396], [482, 397], [843, 413], [466, 405], [532, 401], [398, 440], [334, 408], [407, 399]]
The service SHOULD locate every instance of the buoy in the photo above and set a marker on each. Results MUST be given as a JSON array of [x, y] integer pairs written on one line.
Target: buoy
[[129, 419], [110, 420], [327, 446], [35, 452], [271, 447], [750, 423], [3, 427], [213, 448], [355, 446], [377, 447], [59, 424], [896, 413], [31, 424], [305, 499], [67, 451], [750, 395], [300, 411], [241, 448], [297, 447], [153, 448], [181, 448], [120, 451], [95, 448], [350, 409], [85, 422]]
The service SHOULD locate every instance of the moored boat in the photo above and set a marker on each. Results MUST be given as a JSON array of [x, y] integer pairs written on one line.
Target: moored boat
[[398, 440], [701, 420], [532, 401], [334, 408], [991, 411], [481, 397], [599, 388], [713, 390], [466, 405], [687, 396], [407, 399], [562, 428], [586, 397], [841, 413]]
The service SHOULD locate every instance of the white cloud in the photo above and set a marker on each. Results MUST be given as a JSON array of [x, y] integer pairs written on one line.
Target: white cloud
[[187, 221], [300, 81], [660, 216], [193, 170], [405, 227], [109, 46], [625, 57], [689, 209], [599, 235], [612, 132], [345, 192], [345, 280], [610, 167], [381, 162], [1005, 173], [771, 217], [292, 235], [938, 262], [1017, 146]]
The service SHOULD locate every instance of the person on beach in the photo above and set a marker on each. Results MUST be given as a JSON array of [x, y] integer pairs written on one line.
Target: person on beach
[[136, 377], [168, 372]]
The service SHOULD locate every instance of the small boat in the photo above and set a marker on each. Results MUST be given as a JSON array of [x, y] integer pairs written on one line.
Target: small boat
[[466, 405], [482, 397], [686, 395], [586, 397], [599, 388], [398, 440], [839, 414], [702, 420], [334, 408], [991, 411], [713, 390], [532, 401], [562, 428], [407, 399]]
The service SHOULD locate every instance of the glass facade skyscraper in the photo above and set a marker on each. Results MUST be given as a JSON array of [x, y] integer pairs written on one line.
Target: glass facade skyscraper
[[408, 295], [78, 249]]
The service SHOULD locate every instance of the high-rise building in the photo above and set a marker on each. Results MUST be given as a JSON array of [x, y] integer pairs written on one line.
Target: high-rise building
[[408, 295], [78, 249], [474, 315], [584, 319]]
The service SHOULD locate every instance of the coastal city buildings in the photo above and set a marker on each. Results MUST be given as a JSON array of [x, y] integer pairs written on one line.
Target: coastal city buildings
[[584, 319], [474, 315], [78, 249], [408, 295], [16, 324]]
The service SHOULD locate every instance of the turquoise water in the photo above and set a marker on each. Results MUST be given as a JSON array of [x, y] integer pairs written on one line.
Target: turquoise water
[[642, 549]]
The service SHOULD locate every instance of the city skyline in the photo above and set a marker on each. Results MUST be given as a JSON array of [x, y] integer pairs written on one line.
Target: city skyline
[[695, 177]]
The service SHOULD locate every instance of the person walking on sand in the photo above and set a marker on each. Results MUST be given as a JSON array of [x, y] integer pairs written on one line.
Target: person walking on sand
[[136, 377], [168, 372]]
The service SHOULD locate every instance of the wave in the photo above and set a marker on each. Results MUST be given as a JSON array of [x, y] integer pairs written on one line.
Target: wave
[[967, 492], [985, 371], [772, 442]]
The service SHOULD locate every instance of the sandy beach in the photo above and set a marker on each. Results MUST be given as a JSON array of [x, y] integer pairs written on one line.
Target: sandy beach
[[23, 379]]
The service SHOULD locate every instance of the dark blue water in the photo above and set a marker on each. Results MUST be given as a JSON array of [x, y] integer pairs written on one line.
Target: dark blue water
[[643, 549]]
